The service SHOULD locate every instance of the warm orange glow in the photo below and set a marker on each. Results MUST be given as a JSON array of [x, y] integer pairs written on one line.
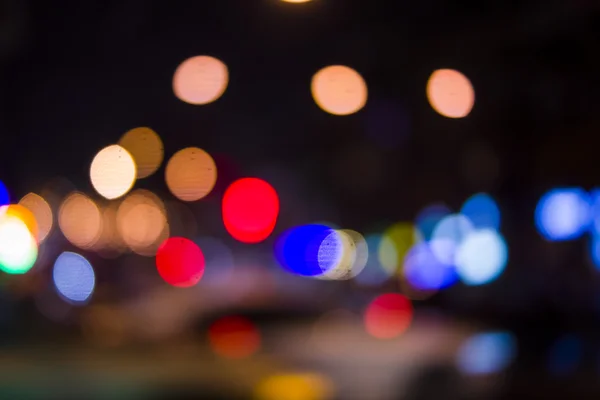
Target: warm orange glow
[[296, 1], [191, 174], [200, 80], [142, 222], [339, 90], [146, 148], [42, 213], [24, 215], [110, 244], [113, 172], [80, 220], [450, 93]]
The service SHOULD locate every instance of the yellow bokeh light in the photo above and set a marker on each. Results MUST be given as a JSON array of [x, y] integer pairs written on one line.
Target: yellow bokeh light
[[304, 386], [41, 211], [80, 220], [142, 222], [296, 1], [146, 149], [200, 80], [450, 93], [339, 90], [402, 236], [113, 172], [191, 174]]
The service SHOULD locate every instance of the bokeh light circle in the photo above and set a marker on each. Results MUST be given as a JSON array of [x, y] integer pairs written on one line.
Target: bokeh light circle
[[403, 236], [4, 196], [250, 209], [142, 222], [234, 337], [73, 277], [388, 316], [450, 93], [486, 353], [339, 90], [191, 174], [563, 214], [424, 271], [18, 248], [80, 220], [146, 148], [448, 235], [23, 214], [113, 172], [297, 249], [343, 254], [200, 80], [180, 262], [481, 257], [41, 211], [483, 212]]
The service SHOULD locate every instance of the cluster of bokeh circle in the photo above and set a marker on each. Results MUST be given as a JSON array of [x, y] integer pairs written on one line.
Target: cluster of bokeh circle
[[136, 219]]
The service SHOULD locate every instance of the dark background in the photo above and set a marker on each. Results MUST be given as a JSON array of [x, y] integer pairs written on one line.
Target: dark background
[[74, 76]]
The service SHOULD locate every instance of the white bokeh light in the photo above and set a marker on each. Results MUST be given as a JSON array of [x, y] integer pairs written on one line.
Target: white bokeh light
[[481, 257]]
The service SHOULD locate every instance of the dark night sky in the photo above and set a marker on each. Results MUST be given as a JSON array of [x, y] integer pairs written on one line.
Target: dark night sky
[[75, 77]]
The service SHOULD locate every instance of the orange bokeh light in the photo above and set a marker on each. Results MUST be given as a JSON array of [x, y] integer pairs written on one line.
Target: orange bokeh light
[[41, 211], [234, 337], [142, 222], [339, 90], [191, 174], [146, 148], [450, 93], [388, 316], [80, 220], [200, 80]]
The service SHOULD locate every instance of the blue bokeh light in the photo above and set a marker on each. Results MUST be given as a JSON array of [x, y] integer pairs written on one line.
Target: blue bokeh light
[[73, 277], [424, 271], [595, 211], [563, 214], [448, 236], [487, 353], [297, 249], [483, 212], [4, 196], [594, 248]]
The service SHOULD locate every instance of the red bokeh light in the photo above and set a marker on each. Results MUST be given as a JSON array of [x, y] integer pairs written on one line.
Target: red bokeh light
[[250, 210], [234, 337], [388, 316], [180, 262]]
